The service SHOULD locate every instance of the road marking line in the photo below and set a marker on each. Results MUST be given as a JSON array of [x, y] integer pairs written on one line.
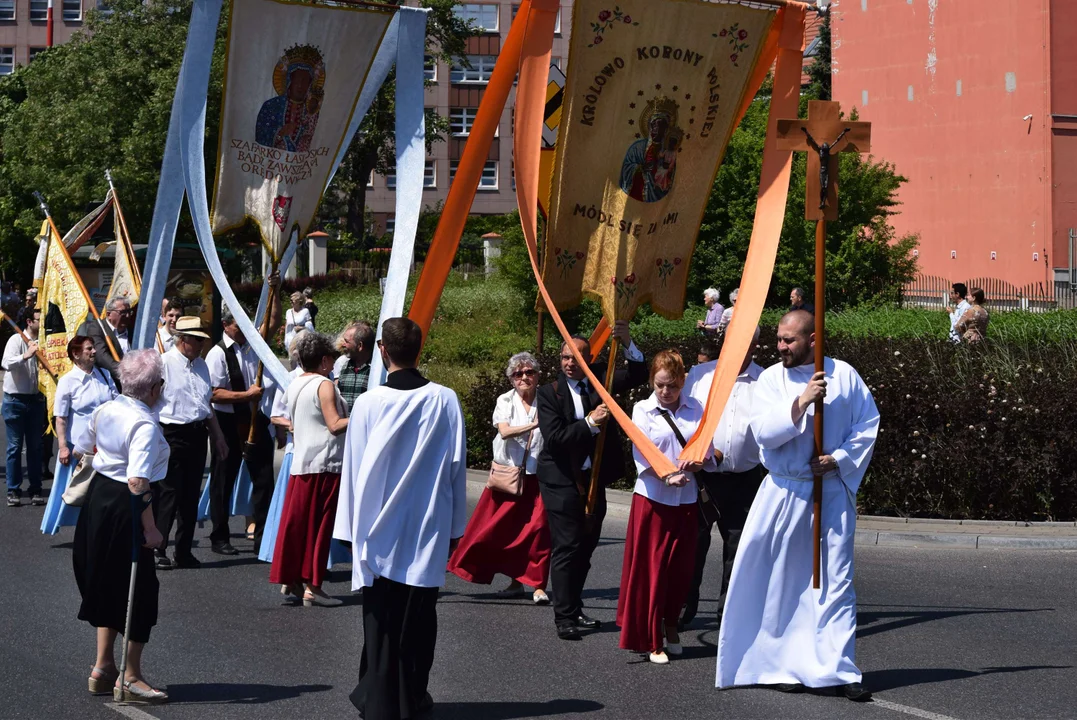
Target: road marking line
[[136, 714], [916, 712]]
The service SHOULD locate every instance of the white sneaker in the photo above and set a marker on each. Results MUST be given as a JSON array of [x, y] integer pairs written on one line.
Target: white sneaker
[[659, 658]]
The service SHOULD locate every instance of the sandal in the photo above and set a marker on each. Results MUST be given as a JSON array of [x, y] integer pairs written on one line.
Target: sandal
[[132, 693], [294, 589], [103, 684], [540, 597], [317, 596]]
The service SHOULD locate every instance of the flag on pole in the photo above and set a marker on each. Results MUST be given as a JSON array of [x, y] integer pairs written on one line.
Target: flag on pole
[[64, 307], [293, 75], [126, 283], [652, 95]]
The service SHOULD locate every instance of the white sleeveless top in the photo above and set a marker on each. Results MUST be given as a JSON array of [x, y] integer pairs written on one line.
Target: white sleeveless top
[[315, 449]]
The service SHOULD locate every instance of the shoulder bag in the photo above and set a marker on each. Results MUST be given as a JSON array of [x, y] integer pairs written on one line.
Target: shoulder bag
[[509, 479]]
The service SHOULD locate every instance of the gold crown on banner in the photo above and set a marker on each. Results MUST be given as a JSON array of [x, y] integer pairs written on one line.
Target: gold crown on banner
[[660, 105], [307, 56]]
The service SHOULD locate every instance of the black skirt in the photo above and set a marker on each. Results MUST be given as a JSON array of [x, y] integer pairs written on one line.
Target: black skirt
[[102, 562]]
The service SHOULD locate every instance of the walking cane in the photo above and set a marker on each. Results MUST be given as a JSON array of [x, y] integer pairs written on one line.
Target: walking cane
[[136, 546]]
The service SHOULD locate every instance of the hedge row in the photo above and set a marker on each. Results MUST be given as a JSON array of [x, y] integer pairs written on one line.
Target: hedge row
[[971, 433]]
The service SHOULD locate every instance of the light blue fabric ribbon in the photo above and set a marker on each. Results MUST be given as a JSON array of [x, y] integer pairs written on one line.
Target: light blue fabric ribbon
[[183, 167], [410, 165]]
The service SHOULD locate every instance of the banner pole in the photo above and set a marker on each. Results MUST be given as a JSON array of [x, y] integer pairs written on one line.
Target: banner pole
[[40, 355], [264, 332], [600, 442]]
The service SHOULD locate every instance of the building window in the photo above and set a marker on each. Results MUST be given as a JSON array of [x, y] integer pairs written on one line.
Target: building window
[[488, 179], [39, 10], [34, 52], [556, 62], [72, 10], [370, 180], [482, 67], [390, 178], [430, 174], [430, 68], [390, 225], [7, 9], [461, 120], [556, 22], [7, 60], [483, 16]]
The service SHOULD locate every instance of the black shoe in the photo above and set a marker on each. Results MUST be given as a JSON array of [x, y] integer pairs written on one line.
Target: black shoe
[[587, 623], [690, 609], [855, 692], [13, 500], [37, 500], [425, 705], [789, 687], [46, 474], [568, 632], [187, 562], [161, 561], [224, 548]]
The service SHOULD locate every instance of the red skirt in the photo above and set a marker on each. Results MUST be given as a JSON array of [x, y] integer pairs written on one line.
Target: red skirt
[[660, 556], [506, 535], [306, 529]]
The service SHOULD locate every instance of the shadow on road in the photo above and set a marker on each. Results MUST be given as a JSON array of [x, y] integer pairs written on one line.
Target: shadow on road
[[510, 710], [881, 680], [909, 615], [238, 693]]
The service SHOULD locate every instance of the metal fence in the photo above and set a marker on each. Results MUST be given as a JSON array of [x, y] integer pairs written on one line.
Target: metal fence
[[932, 291]]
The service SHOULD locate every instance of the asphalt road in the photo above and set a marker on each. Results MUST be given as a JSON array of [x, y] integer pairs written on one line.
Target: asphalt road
[[943, 634]]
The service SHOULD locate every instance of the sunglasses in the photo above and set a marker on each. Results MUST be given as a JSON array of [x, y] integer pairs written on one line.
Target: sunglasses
[[523, 373]]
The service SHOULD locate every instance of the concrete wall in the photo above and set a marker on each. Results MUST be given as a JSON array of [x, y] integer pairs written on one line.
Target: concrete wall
[[946, 84]]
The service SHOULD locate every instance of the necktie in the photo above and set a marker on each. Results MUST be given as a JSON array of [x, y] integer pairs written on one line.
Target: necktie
[[585, 397]]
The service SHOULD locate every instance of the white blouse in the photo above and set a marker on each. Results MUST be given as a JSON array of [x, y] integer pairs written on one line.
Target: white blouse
[[314, 448], [647, 416], [78, 394], [510, 409], [294, 322], [128, 439]]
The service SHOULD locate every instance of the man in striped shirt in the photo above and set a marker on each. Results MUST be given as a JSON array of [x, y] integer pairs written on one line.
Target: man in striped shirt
[[352, 368]]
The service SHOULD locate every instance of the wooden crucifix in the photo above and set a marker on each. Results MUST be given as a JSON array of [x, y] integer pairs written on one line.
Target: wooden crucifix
[[823, 136]]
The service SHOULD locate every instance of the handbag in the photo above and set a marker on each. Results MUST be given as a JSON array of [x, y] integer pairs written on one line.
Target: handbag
[[708, 508], [509, 479], [79, 484]]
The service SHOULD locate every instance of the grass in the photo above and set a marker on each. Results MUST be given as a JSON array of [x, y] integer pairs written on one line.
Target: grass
[[479, 324]]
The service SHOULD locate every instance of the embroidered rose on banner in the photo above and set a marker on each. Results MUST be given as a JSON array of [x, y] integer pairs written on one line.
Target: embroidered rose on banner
[[666, 266], [738, 37], [626, 289], [606, 20]]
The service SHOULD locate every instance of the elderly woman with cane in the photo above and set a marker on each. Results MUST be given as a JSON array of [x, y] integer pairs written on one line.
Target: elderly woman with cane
[[115, 534]]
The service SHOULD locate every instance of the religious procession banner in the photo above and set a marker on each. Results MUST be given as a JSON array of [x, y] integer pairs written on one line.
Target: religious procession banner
[[64, 307], [293, 75], [125, 279], [651, 98]]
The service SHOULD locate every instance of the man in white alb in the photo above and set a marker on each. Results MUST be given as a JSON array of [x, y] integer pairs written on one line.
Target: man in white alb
[[777, 630], [734, 486], [402, 506]]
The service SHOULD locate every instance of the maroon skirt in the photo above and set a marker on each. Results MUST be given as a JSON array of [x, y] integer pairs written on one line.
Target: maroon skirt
[[306, 529], [506, 535], [660, 556]]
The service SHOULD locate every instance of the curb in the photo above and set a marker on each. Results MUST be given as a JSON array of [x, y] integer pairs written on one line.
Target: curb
[[618, 504]]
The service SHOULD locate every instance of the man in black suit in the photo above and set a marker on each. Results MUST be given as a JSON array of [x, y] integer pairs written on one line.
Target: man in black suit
[[114, 327], [570, 416]]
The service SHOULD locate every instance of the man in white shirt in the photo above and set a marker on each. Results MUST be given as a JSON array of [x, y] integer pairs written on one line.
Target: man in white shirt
[[403, 507], [166, 333], [733, 487], [239, 402], [778, 630], [110, 334], [959, 297], [24, 413], [186, 420]]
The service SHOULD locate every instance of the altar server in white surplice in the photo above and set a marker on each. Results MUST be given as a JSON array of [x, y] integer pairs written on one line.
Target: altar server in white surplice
[[402, 506], [777, 630]]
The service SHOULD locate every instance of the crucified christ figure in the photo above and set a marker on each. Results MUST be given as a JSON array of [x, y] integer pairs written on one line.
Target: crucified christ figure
[[824, 162]]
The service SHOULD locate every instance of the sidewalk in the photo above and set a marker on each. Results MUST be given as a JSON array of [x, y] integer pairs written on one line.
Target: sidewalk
[[905, 532]]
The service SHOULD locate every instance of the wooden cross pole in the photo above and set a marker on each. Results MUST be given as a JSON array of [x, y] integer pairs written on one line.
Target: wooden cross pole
[[823, 135]]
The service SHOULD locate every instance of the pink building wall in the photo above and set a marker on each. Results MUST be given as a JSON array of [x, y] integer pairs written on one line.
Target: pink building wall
[[948, 85]]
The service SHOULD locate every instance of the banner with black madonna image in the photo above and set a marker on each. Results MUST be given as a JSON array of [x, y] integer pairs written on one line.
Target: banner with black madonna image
[[651, 98], [293, 75]]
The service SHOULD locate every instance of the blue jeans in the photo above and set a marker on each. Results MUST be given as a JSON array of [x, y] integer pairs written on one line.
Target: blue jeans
[[24, 420]]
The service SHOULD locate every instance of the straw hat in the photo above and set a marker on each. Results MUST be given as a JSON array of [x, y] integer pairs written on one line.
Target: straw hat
[[191, 325]]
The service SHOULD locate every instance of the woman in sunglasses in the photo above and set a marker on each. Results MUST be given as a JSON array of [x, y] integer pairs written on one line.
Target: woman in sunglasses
[[507, 533]]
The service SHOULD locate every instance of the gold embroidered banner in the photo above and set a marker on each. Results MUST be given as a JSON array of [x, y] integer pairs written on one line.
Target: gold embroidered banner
[[293, 75], [651, 99]]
